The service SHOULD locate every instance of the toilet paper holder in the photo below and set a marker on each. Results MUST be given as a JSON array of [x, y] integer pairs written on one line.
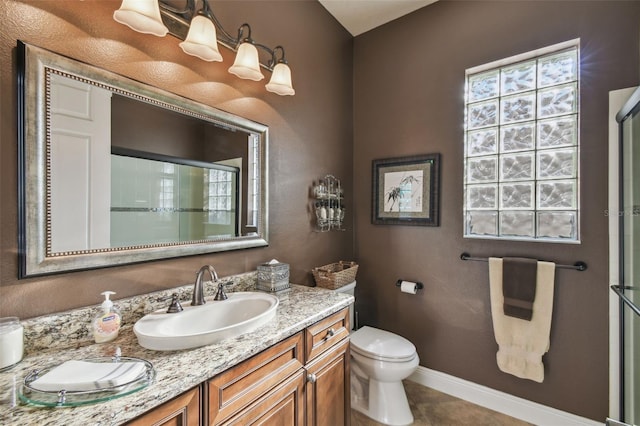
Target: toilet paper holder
[[418, 284]]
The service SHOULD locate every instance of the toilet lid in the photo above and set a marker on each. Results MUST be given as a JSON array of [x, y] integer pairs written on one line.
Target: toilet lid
[[379, 344]]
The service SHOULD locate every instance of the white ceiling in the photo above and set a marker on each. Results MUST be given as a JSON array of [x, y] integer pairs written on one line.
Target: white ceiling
[[359, 16]]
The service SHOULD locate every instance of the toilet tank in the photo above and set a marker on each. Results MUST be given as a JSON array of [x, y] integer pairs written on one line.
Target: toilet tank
[[349, 289]]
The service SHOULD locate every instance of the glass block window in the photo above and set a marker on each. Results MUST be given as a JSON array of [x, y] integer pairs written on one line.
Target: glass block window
[[218, 196], [254, 182], [166, 186], [521, 157]]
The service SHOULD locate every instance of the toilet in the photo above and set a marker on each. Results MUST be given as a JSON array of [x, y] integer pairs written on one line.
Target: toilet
[[380, 360]]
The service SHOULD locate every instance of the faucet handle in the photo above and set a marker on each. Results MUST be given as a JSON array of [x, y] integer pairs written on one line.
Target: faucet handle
[[175, 304], [221, 295]]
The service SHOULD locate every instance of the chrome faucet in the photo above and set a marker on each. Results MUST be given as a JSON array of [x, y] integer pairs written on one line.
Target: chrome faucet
[[198, 287]]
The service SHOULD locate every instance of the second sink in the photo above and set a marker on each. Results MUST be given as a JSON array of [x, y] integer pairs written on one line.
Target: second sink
[[205, 324]]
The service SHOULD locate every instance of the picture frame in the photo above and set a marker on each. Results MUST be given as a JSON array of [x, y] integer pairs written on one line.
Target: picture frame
[[406, 191]]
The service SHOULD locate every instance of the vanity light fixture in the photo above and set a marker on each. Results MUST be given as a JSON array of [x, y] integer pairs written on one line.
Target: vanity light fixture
[[201, 32]]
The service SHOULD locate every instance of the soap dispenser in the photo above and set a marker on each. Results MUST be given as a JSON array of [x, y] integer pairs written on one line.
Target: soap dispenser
[[106, 325]]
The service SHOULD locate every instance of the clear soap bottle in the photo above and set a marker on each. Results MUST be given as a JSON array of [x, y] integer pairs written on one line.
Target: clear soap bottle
[[106, 324]]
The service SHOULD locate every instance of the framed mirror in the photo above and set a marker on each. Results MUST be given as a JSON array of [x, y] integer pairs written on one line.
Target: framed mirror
[[113, 171]]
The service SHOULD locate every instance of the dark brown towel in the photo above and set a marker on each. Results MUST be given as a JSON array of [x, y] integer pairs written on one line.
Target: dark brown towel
[[519, 277]]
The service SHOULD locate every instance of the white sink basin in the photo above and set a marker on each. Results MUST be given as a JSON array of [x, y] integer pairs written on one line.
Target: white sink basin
[[205, 324]]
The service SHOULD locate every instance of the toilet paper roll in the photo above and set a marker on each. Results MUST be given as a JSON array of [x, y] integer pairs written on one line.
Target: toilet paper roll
[[409, 287]]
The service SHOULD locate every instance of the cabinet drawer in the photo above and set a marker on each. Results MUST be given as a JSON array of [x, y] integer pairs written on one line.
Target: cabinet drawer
[[283, 406], [237, 387], [322, 335]]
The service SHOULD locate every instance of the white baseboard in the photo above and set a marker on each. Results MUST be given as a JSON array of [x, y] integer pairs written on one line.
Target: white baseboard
[[510, 405]]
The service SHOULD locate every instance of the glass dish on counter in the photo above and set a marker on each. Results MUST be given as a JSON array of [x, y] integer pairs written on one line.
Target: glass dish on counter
[[30, 394]]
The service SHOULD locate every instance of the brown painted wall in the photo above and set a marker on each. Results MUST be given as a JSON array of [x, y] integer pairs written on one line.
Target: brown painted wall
[[409, 82], [311, 133], [149, 128]]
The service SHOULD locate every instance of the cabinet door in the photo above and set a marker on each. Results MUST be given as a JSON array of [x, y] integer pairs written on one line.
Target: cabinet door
[[240, 386], [283, 406], [328, 388], [183, 410]]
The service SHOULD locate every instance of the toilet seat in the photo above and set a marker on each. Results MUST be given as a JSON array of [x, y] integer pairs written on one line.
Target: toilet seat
[[382, 345]]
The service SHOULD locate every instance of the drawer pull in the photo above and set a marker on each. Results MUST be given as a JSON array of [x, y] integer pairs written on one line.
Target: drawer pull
[[311, 378], [330, 333]]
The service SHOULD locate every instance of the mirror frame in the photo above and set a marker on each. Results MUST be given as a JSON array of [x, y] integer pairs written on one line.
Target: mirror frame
[[34, 241]]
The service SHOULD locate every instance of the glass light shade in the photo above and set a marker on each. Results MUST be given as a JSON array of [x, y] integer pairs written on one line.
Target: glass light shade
[[201, 40], [247, 64], [142, 16], [280, 82]]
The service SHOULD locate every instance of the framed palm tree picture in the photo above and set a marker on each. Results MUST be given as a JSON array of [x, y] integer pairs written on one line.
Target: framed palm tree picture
[[406, 191]]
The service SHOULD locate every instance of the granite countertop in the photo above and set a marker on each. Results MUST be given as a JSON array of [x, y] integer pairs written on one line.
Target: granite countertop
[[177, 371]]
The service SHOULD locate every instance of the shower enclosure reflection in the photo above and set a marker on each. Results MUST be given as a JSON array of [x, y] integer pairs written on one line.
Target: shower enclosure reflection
[[155, 201]]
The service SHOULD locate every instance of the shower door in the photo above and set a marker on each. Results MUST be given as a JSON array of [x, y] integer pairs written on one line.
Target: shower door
[[629, 287]]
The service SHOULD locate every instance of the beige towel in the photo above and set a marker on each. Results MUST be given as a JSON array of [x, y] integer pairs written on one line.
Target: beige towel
[[522, 343]]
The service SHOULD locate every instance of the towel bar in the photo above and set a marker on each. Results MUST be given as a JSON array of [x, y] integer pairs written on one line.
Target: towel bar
[[578, 266]]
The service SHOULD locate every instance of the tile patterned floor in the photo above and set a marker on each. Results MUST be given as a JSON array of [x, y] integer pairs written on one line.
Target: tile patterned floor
[[433, 408]]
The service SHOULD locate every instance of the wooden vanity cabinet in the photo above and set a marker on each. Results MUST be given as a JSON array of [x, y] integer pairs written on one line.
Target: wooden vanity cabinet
[[300, 381], [303, 380]]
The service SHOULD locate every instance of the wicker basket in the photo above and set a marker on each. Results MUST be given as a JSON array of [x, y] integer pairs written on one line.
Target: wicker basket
[[335, 275]]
